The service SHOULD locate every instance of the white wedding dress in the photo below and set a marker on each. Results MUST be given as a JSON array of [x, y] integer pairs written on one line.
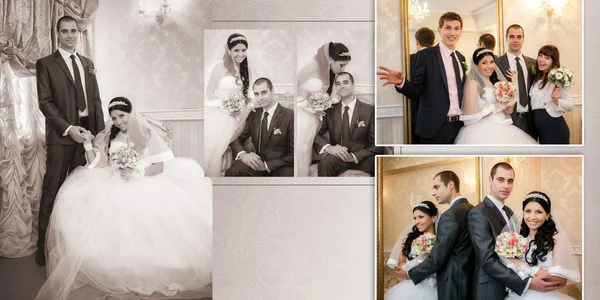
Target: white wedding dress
[[149, 237], [407, 290], [553, 270], [496, 128], [220, 128]]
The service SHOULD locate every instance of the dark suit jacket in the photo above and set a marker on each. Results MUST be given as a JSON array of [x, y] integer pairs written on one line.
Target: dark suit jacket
[[452, 255], [504, 65], [430, 85], [362, 138], [280, 144], [415, 102], [57, 97], [491, 275]]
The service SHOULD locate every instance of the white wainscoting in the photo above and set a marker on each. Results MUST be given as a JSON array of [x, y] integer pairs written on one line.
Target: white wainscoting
[[390, 125], [188, 130]]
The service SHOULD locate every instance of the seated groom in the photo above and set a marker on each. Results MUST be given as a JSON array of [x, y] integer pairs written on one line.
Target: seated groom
[[351, 127], [271, 128]]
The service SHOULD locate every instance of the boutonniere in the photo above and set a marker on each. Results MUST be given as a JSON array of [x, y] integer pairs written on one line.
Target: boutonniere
[[93, 71], [277, 131], [533, 72], [360, 124], [465, 67]]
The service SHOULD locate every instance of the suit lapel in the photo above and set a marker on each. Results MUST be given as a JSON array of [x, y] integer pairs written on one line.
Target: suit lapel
[[276, 116], [505, 64], [256, 133], [496, 212], [355, 116], [440, 61], [63, 66], [88, 84], [337, 121]]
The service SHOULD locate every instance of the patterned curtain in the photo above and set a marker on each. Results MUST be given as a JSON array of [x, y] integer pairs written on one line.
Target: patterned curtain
[[27, 33]]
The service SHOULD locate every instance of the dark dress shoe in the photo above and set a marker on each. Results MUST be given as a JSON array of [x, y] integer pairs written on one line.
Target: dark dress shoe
[[40, 257]]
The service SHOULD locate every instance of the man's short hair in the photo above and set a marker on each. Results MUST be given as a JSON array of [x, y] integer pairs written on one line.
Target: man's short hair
[[447, 176], [65, 19], [263, 80]]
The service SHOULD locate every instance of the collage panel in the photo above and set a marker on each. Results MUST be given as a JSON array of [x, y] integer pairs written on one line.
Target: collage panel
[[462, 71], [249, 103], [486, 227], [336, 116]]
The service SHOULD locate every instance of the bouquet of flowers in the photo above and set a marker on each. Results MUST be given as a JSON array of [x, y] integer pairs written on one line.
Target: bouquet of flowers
[[124, 159], [511, 245], [423, 244], [505, 91], [317, 103], [561, 77], [233, 103]]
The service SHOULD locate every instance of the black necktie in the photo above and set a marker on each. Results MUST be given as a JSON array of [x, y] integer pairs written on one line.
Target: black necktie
[[262, 138], [508, 215], [346, 127], [458, 78], [522, 86], [78, 86]]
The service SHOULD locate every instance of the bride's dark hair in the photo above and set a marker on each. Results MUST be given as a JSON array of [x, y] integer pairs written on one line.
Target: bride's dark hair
[[477, 57], [114, 130], [335, 51], [544, 237], [232, 41], [431, 210]]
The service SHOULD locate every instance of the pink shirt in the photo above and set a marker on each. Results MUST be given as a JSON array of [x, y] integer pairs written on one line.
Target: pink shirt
[[452, 88]]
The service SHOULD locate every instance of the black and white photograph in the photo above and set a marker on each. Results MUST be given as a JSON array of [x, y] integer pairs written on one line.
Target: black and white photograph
[[479, 227], [249, 103], [336, 116], [103, 195], [480, 72]]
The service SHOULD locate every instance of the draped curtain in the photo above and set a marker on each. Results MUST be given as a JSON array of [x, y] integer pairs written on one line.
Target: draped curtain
[[27, 33]]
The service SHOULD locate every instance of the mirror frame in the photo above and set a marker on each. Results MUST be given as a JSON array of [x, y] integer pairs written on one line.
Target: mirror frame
[[380, 264], [405, 46]]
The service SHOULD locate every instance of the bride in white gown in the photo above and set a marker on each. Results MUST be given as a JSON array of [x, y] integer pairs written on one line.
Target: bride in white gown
[[540, 227], [403, 256], [141, 233], [486, 120]]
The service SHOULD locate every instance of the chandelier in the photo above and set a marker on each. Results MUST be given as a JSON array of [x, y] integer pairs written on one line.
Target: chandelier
[[553, 8], [159, 16], [416, 12]]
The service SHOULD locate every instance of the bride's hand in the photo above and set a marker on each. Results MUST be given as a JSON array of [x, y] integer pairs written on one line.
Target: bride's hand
[[513, 75], [88, 136]]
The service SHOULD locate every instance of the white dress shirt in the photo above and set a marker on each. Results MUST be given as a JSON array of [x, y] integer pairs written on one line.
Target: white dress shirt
[[67, 58], [512, 62]]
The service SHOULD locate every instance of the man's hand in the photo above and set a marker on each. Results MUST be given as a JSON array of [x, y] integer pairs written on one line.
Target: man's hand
[[544, 284], [77, 133], [252, 160], [401, 273], [390, 76], [88, 136], [339, 151], [154, 169]]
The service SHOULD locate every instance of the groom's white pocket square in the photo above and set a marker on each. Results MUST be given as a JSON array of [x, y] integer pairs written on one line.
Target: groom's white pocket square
[[361, 124], [277, 131]]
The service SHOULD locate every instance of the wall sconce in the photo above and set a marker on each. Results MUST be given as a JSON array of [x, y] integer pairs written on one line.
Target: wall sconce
[[516, 160], [159, 16], [553, 8], [417, 13]]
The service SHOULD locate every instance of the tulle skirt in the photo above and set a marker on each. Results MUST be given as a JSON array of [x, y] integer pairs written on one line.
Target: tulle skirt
[[407, 290], [535, 295], [490, 133], [220, 130], [308, 126], [143, 238]]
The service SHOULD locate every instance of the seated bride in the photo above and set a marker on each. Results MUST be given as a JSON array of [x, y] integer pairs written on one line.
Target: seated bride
[[487, 120], [134, 223]]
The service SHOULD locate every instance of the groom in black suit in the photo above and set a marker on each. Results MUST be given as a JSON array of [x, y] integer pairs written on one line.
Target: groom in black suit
[[514, 60], [452, 254], [486, 221], [271, 128], [438, 81], [351, 127], [69, 99]]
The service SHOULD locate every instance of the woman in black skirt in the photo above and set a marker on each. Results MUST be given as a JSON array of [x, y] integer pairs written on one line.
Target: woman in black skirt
[[549, 101]]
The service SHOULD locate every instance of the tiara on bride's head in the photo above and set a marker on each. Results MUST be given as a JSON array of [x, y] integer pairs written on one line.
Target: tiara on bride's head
[[237, 38], [484, 51], [421, 205], [536, 195], [117, 103], [345, 54]]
